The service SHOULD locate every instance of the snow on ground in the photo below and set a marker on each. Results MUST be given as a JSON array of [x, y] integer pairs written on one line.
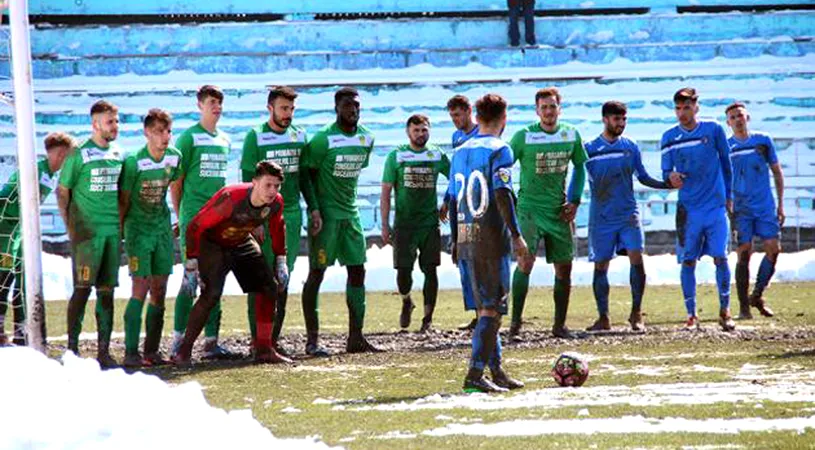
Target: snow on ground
[[76, 405], [661, 269], [621, 425]]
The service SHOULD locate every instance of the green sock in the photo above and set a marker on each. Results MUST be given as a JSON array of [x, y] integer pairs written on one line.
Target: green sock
[[104, 316], [520, 287], [183, 306], [133, 325], [250, 312], [153, 324], [562, 290], [213, 325], [355, 298]]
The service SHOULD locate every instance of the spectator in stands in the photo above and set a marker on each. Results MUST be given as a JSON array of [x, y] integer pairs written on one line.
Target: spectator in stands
[[516, 7]]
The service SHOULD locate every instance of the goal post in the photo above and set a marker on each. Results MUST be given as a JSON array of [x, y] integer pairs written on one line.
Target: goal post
[[29, 189]]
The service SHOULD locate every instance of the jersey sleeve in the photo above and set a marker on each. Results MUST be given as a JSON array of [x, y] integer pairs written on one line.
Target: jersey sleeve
[[501, 167], [129, 174], [579, 155], [667, 157], [277, 229], [720, 139], [368, 154], [249, 156], [642, 174], [517, 144], [177, 170], [69, 174], [315, 151], [444, 166], [9, 188], [214, 211], [772, 155], [389, 173], [184, 144]]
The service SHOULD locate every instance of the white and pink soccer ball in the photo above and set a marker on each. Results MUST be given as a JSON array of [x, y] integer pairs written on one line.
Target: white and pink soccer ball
[[570, 369]]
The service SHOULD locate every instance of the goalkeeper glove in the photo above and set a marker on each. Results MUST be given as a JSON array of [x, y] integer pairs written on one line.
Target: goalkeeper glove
[[282, 273]]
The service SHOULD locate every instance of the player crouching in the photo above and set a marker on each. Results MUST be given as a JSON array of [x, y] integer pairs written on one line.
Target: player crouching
[[220, 239]]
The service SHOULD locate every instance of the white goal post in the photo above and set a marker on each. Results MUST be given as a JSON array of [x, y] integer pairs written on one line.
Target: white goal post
[[29, 190]]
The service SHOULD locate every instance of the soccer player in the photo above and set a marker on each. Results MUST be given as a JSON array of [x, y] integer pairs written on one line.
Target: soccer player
[[614, 219], [279, 141], [146, 177], [484, 225], [204, 155], [413, 170], [695, 158], [461, 113], [220, 239], [545, 209], [755, 211], [88, 202], [335, 156], [57, 147]]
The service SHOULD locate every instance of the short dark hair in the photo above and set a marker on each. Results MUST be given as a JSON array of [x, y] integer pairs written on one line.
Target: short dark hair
[[686, 94], [546, 92], [59, 139], [281, 91], [613, 108], [157, 115], [268, 168], [734, 105], [344, 92], [490, 108], [418, 119], [210, 90], [458, 101], [103, 106]]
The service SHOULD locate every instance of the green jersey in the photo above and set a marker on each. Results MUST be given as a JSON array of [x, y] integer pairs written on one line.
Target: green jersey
[[147, 181], [92, 175], [338, 158], [204, 157], [544, 159], [10, 201], [414, 175], [286, 149]]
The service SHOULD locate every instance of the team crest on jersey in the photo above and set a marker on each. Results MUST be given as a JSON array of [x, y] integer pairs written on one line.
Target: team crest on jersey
[[362, 140], [504, 175], [564, 135], [293, 136], [264, 213]]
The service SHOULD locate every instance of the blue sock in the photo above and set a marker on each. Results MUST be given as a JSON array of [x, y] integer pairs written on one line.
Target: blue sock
[[600, 285], [636, 279], [483, 343], [765, 272], [688, 278], [495, 358], [723, 282]]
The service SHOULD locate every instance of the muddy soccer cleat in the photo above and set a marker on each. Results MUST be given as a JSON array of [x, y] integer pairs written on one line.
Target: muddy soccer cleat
[[726, 321], [636, 321], [761, 305], [603, 323]]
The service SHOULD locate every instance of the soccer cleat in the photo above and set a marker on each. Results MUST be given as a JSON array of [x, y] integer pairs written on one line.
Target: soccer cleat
[[635, 319], [358, 344], [407, 310], [563, 333], [132, 361], [475, 381], [314, 350], [692, 323], [744, 312], [501, 379], [181, 361], [3, 340], [178, 339], [726, 321], [427, 324], [106, 361], [469, 326], [270, 356], [282, 351], [154, 360], [218, 352], [603, 323], [515, 332], [759, 303]]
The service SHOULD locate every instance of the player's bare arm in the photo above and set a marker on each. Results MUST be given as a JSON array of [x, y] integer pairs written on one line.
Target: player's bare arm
[[778, 178]]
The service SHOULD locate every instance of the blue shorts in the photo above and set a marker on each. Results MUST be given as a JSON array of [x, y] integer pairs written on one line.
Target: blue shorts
[[485, 284], [607, 240], [749, 225], [700, 233]]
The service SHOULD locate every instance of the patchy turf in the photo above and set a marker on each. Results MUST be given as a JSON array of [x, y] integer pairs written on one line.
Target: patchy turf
[[410, 397]]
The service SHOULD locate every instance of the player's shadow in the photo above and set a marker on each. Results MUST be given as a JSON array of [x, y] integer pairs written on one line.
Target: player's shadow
[[172, 372]]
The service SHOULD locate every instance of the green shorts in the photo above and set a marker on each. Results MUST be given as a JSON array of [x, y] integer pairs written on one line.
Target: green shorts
[[407, 242], [150, 254], [294, 223], [96, 261], [555, 234], [340, 239]]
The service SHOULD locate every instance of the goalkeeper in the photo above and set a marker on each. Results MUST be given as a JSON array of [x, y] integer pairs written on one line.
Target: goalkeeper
[[57, 147]]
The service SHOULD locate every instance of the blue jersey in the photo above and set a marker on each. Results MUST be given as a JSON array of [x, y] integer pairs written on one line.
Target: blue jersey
[[751, 160], [611, 166], [460, 137], [480, 167], [703, 156]]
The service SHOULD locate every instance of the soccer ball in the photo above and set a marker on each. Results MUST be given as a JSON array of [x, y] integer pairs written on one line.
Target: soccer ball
[[570, 369]]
